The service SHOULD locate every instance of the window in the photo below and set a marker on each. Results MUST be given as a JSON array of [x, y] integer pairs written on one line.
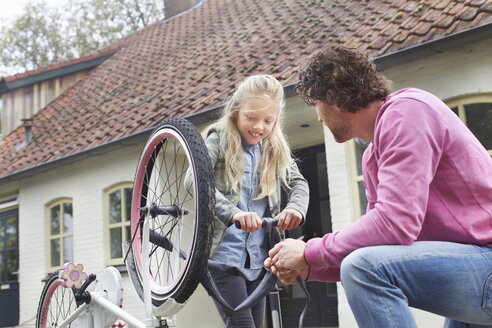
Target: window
[[117, 215], [8, 246], [474, 111], [60, 230]]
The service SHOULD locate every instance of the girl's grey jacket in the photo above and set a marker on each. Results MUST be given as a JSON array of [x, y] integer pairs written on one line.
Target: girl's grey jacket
[[226, 200]]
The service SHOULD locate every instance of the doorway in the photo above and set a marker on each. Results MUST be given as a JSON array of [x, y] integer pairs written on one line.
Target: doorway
[[323, 309]]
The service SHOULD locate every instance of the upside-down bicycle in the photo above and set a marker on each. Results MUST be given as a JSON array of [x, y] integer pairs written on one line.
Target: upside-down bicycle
[[173, 206]]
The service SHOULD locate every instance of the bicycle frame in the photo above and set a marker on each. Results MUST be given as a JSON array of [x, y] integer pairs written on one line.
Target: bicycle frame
[[88, 312], [93, 312]]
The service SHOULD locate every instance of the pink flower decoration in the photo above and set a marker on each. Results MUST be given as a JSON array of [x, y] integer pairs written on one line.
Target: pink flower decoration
[[72, 275]]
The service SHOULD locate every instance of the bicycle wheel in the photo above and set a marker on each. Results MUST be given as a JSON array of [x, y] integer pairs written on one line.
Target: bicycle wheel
[[56, 303], [174, 187]]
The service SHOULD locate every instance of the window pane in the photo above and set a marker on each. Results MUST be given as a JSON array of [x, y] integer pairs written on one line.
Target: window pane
[[455, 110], [360, 146], [362, 197], [55, 220], [115, 207], [479, 121], [116, 249], [67, 249], [128, 235], [67, 217], [11, 261], [55, 252], [11, 232], [128, 204]]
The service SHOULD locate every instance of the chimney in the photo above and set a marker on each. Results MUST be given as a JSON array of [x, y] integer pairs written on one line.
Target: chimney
[[175, 7], [27, 124]]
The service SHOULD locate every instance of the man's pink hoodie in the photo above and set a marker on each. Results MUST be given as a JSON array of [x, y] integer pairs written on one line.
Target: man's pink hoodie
[[427, 177]]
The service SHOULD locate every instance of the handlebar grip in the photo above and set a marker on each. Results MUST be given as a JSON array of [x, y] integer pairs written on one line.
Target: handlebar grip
[[264, 222]]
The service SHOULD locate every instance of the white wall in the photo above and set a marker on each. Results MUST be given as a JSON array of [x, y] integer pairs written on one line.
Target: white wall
[[84, 183], [463, 71]]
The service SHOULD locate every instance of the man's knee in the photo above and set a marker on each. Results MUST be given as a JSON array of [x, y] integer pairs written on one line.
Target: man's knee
[[359, 263]]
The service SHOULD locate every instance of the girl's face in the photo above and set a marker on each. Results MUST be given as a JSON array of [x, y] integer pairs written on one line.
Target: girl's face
[[256, 119]]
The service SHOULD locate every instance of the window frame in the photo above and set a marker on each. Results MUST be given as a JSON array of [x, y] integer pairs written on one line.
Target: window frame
[[355, 178], [122, 224], [61, 235], [461, 101]]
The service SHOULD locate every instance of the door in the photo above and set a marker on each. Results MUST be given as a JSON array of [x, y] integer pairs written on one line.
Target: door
[[323, 308], [9, 265]]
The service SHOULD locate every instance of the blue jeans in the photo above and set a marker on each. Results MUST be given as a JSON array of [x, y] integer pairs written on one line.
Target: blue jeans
[[449, 279]]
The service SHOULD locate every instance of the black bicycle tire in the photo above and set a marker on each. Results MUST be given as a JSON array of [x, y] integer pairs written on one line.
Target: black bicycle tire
[[52, 279], [203, 219]]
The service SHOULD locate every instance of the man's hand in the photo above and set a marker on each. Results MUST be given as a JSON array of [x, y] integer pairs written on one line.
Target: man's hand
[[289, 218], [250, 221], [288, 276], [286, 255]]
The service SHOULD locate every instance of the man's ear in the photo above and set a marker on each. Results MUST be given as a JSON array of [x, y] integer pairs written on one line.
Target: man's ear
[[337, 108]]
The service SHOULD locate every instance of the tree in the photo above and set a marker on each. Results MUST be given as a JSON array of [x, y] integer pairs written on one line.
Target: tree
[[34, 39], [42, 35]]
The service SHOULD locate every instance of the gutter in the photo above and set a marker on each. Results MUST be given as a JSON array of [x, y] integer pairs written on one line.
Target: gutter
[[385, 61], [436, 46], [51, 74]]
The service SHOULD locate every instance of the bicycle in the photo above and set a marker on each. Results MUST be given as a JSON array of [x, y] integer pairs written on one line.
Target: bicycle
[[173, 206]]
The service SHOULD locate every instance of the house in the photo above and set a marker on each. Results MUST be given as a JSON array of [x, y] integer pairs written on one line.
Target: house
[[82, 148]]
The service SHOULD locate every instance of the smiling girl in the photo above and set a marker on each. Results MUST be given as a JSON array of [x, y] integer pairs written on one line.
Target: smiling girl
[[252, 162]]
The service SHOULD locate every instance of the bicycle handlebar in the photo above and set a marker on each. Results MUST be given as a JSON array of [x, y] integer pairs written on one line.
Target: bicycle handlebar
[[269, 223]]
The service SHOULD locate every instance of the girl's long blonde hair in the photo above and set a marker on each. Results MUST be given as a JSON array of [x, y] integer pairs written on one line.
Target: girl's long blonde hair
[[276, 157]]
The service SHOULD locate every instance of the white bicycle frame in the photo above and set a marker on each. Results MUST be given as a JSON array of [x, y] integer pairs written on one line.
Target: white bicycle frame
[[94, 313]]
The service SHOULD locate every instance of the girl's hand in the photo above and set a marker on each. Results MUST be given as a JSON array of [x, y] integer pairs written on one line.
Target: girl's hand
[[289, 218], [250, 221]]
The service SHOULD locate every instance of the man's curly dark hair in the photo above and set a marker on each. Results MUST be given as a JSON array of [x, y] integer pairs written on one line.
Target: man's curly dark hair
[[341, 76]]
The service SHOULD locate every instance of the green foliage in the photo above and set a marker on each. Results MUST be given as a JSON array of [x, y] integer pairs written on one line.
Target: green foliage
[[34, 39], [43, 35]]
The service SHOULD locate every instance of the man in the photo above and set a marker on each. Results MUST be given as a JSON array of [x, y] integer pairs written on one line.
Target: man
[[426, 238]]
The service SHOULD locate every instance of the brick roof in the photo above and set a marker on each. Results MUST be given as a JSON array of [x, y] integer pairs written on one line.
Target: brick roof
[[192, 62]]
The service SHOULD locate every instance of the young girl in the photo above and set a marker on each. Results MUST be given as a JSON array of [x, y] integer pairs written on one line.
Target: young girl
[[252, 162]]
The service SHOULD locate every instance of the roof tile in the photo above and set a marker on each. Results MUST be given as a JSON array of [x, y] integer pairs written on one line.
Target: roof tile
[[431, 15], [422, 28], [468, 13], [444, 21]]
